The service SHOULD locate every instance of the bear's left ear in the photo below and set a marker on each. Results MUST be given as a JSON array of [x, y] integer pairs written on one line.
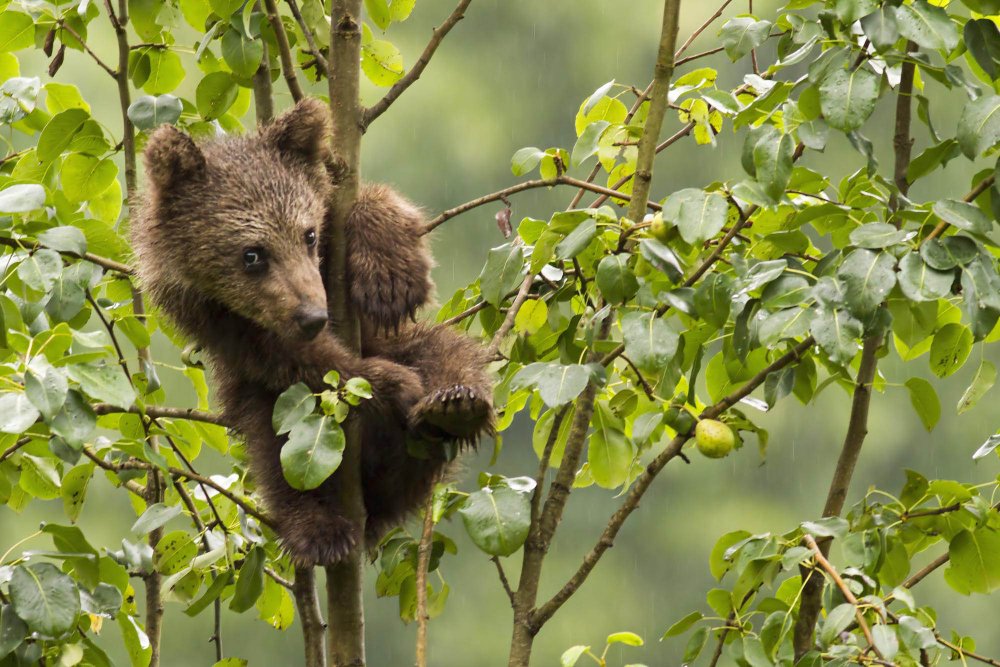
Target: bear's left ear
[[302, 132]]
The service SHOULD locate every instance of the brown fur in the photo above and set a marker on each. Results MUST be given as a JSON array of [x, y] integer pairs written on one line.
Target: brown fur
[[205, 205]]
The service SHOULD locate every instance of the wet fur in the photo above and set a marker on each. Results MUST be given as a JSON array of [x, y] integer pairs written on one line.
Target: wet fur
[[204, 204]]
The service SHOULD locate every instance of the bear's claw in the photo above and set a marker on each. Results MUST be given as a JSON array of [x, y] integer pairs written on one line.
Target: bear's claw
[[457, 412]]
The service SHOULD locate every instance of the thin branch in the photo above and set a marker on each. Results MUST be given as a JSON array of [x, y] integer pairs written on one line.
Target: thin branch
[[562, 179], [10, 451], [159, 411], [423, 563], [703, 54], [278, 579], [503, 579], [468, 312], [284, 50], [133, 486], [857, 429], [642, 483], [962, 652], [188, 502], [508, 322], [971, 196], [263, 92], [377, 109], [845, 591], [321, 63], [917, 577], [694, 35], [665, 144], [68, 28], [103, 262]]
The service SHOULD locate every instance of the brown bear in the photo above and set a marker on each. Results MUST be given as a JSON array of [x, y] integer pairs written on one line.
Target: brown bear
[[228, 242]]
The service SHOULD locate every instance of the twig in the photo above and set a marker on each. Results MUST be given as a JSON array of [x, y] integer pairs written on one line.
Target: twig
[[703, 54], [642, 483], [103, 262], [158, 411], [68, 28], [917, 577], [962, 652], [646, 388], [468, 312], [503, 579], [398, 88], [529, 185], [10, 451], [845, 591], [508, 322], [665, 144], [280, 580], [321, 63], [694, 35], [284, 50], [971, 196], [131, 485], [423, 563]]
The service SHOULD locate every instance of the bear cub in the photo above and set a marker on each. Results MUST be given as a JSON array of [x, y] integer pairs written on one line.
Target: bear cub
[[229, 244]]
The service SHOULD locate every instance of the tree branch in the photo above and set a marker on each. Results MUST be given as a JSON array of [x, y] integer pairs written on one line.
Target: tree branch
[[642, 483], [103, 65], [845, 591], [321, 63], [500, 195], [971, 196], [263, 92], [380, 107], [310, 615], [158, 411], [857, 429], [423, 563], [284, 50], [503, 579], [103, 262]]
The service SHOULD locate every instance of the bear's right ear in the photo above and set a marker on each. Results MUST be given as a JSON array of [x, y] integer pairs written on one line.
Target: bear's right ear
[[172, 157], [302, 132]]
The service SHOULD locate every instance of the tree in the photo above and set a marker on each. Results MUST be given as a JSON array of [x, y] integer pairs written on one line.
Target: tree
[[623, 329]]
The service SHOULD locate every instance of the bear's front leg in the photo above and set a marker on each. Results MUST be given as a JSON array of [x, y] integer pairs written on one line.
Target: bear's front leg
[[457, 403]]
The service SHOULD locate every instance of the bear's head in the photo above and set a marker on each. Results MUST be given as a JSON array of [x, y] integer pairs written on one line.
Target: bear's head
[[237, 221]]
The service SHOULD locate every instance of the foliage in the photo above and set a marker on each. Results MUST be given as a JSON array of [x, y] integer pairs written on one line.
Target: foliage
[[613, 335]]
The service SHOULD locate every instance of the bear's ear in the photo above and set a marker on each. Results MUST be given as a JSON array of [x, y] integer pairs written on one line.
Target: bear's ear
[[172, 157], [302, 132]]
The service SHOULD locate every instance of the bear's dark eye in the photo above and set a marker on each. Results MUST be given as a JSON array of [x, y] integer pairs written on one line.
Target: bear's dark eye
[[254, 259], [311, 238]]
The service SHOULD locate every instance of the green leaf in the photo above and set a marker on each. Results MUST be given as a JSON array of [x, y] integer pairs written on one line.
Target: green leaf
[[17, 31], [919, 282], [13, 630], [400, 10], [225, 8], [699, 215], [39, 477], [963, 216], [714, 299], [848, 97], [743, 33], [985, 378], [241, 54], [64, 239], [878, 235], [987, 447], [979, 126], [925, 402], [836, 622], [572, 655], [948, 253], [74, 489], [166, 72], [378, 12], [682, 626], [982, 38], [577, 240], [695, 645], [155, 516], [974, 561], [929, 26], [104, 382], [650, 343], [84, 177], [556, 384], [149, 112], [886, 641], [66, 300], [503, 272], [22, 198], [313, 452], [497, 519], [627, 638], [46, 391], [587, 144], [880, 27], [609, 452], [249, 581], [58, 133], [951, 347], [16, 412], [293, 405], [616, 280], [788, 323], [531, 317], [76, 421], [381, 62], [525, 160], [174, 552], [773, 164], [868, 278], [215, 94], [45, 598], [837, 332]]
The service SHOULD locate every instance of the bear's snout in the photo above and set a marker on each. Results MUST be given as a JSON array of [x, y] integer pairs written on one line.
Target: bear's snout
[[310, 320]]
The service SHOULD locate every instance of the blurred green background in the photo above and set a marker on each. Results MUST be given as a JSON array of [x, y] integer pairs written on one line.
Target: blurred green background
[[513, 74]]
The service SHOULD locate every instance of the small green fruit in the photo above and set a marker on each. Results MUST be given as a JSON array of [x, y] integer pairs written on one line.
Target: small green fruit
[[714, 439], [659, 229]]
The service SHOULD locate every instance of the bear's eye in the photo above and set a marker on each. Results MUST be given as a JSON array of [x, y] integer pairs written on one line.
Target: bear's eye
[[311, 238], [254, 259]]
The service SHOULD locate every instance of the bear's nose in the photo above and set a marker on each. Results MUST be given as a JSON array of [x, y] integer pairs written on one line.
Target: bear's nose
[[310, 320]]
